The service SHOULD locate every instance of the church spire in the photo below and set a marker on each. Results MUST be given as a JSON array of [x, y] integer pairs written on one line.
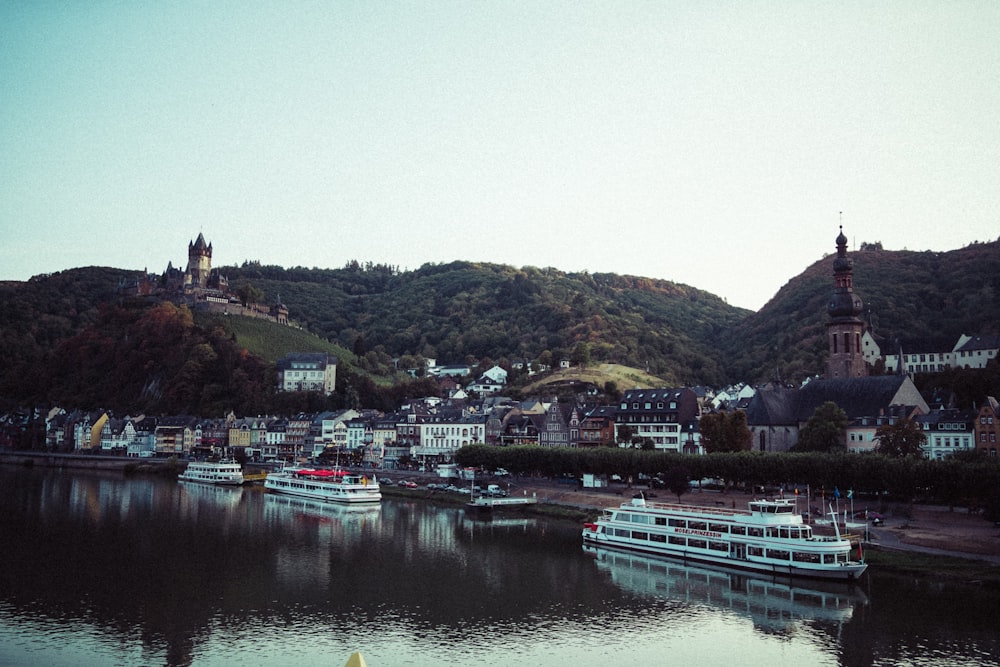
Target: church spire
[[845, 326]]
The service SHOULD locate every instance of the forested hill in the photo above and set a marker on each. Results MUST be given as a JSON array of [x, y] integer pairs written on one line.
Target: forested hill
[[922, 301], [462, 310], [468, 311]]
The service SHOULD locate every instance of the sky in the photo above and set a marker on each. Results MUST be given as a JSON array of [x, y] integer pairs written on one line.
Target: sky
[[714, 144]]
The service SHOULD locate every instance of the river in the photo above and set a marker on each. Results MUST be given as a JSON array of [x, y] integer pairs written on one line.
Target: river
[[99, 569]]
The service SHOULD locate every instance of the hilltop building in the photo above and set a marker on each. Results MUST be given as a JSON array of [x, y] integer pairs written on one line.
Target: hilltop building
[[200, 287]]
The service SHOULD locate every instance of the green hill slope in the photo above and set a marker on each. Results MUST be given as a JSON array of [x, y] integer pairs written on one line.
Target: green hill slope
[[269, 340]]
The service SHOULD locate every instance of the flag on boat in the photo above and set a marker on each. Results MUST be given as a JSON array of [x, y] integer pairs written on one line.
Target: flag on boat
[[850, 493], [836, 492]]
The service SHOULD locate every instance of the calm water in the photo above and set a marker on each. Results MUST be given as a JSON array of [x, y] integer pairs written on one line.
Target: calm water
[[102, 570]]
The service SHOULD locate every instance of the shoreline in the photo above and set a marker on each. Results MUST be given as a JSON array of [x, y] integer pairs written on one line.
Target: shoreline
[[915, 539]]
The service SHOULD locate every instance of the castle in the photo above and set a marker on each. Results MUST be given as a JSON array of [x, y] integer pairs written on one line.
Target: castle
[[201, 287]]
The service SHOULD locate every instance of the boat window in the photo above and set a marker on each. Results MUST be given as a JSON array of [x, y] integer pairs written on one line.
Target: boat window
[[738, 530], [755, 532], [755, 551], [678, 523], [718, 546], [804, 557], [660, 521], [784, 509], [640, 518], [657, 538], [718, 527], [640, 535], [677, 540], [698, 525], [777, 554], [618, 532], [697, 544]]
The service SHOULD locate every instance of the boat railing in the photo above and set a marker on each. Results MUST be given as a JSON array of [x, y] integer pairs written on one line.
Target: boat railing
[[692, 509]]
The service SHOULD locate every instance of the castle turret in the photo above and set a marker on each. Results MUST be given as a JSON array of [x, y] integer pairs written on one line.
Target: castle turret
[[199, 262], [845, 357]]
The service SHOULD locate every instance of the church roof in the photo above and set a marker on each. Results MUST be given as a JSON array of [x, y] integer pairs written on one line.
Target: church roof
[[857, 396]]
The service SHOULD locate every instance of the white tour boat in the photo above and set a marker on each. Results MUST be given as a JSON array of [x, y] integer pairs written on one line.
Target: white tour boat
[[326, 485], [206, 472], [770, 537]]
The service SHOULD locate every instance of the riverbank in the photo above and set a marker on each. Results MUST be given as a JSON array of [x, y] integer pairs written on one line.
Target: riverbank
[[928, 541], [919, 539]]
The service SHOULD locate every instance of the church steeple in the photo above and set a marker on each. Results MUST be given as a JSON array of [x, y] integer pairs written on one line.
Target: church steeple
[[845, 326]]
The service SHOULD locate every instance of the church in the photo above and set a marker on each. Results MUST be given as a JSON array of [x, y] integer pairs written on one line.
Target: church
[[776, 412]]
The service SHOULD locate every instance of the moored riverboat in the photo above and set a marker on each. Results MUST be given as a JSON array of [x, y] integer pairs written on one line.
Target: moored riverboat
[[769, 537], [213, 472], [326, 485]]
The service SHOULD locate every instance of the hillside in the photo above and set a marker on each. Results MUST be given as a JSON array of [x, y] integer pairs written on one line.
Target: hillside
[[270, 341], [460, 311], [920, 300], [624, 377], [374, 318]]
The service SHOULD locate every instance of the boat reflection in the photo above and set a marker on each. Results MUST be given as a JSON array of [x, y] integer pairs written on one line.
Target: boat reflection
[[226, 497], [773, 604], [322, 511]]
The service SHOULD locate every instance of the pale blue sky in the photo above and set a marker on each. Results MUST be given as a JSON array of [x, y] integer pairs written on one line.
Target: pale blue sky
[[708, 143]]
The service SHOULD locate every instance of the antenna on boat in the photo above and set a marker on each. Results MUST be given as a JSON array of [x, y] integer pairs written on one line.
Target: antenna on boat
[[836, 526]]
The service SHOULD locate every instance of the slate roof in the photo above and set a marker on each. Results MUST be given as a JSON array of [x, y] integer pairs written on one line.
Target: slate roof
[[980, 343], [858, 397]]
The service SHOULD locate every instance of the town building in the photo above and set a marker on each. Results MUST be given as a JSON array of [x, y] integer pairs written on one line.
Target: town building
[[307, 371], [658, 415], [947, 432], [987, 427]]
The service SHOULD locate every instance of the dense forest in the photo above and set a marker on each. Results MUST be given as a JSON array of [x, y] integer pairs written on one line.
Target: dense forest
[[70, 334]]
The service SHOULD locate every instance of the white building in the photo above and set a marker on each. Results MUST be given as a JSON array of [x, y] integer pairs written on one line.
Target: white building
[[307, 371]]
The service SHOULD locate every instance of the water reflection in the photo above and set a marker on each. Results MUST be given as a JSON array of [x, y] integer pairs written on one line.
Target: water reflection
[[100, 569], [774, 605]]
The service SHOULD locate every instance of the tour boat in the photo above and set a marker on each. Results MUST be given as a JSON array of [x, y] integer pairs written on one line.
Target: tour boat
[[769, 537], [207, 472], [327, 485]]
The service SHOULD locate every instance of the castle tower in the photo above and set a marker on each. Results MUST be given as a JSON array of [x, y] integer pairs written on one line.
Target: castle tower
[[199, 262], [845, 357]]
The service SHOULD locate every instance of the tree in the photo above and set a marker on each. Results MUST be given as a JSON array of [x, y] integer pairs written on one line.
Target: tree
[[678, 480], [612, 391], [580, 355], [824, 432], [900, 440], [725, 432], [625, 433]]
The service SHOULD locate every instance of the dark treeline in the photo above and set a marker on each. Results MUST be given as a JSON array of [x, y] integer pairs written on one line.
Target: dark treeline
[[972, 481]]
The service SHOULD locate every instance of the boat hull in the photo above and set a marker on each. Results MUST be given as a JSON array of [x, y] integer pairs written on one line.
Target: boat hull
[[324, 491], [769, 538], [846, 572], [225, 473]]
